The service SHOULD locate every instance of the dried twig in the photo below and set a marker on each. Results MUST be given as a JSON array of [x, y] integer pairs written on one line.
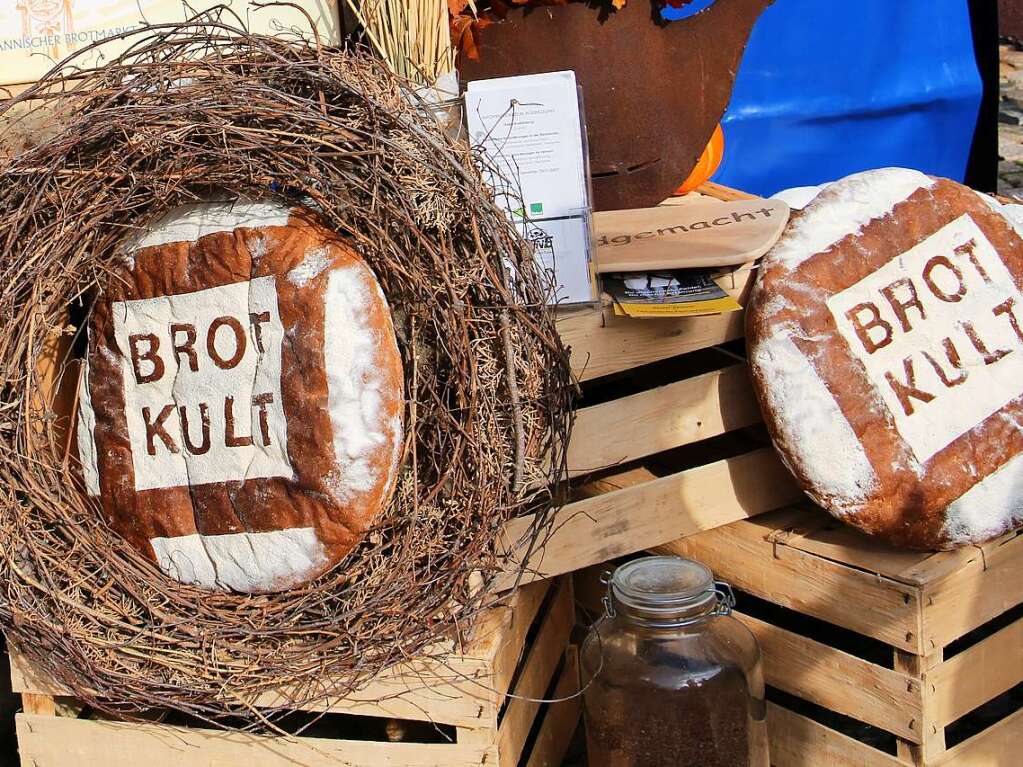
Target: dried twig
[[204, 109]]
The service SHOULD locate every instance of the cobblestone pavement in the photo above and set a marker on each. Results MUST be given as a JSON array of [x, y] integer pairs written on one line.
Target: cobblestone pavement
[[1010, 123]]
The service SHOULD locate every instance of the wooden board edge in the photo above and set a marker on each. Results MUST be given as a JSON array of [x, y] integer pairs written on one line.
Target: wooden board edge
[[447, 689], [992, 747], [34, 703], [27, 679], [560, 719], [839, 681], [977, 674], [650, 514], [441, 694], [752, 555], [798, 741], [506, 624], [541, 662], [722, 192], [602, 344], [968, 561], [53, 741], [613, 483], [668, 416], [987, 586]]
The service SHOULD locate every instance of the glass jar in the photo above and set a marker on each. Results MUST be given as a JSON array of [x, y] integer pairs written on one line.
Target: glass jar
[[670, 677]]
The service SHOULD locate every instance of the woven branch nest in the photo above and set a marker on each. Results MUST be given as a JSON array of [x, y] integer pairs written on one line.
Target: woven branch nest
[[205, 109]]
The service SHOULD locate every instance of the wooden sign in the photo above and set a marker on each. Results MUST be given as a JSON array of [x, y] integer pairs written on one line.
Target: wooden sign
[[704, 233]]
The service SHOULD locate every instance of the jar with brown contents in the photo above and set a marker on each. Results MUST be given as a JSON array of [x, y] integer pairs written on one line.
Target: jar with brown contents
[[672, 678]]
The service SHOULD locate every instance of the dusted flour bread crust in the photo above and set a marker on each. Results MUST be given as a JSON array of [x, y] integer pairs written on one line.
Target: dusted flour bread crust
[[886, 351], [241, 415]]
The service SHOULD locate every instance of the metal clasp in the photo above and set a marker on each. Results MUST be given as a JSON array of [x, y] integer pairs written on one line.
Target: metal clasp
[[724, 603], [726, 598], [609, 609]]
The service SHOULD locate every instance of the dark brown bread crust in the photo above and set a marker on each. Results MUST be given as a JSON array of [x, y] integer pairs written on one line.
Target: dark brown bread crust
[[908, 506], [261, 504]]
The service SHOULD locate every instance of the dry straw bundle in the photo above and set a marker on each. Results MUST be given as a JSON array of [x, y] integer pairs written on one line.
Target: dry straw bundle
[[205, 109], [412, 36]]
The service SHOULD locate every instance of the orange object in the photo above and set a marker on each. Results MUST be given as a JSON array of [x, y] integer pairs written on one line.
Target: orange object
[[708, 163]]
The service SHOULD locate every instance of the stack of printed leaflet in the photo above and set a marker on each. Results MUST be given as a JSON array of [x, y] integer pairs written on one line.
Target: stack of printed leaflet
[[676, 259]]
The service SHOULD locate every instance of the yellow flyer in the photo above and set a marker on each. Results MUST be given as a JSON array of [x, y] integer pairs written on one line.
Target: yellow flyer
[[676, 293]]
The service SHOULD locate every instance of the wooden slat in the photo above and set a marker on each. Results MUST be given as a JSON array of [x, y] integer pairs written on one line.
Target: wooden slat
[[602, 344], [423, 690], [53, 741], [29, 680], [560, 719], [33, 703], [505, 623], [652, 513], [506, 655], [797, 741], [839, 681], [463, 690], [542, 661], [984, 588], [612, 482], [947, 564], [833, 540], [978, 674], [919, 568], [997, 746], [745, 554], [643, 424], [933, 743]]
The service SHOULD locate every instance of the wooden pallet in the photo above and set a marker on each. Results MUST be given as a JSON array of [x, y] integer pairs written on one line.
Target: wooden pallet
[[519, 648], [638, 507], [911, 668]]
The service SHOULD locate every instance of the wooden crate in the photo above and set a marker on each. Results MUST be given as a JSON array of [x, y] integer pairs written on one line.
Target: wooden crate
[[519, 648], [906, 642], [664, 405]]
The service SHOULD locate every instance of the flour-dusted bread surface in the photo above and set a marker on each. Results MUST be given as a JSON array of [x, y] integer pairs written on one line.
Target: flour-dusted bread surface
[[885, 340], [241, 416]]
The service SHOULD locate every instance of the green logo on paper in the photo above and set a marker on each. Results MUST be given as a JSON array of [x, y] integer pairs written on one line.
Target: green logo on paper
[[535, 208]]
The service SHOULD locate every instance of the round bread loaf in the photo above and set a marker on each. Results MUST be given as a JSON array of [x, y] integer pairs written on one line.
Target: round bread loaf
[[885, 340], [241, 414]]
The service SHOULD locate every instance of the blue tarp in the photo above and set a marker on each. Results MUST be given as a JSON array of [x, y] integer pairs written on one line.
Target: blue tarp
[[828, 88]]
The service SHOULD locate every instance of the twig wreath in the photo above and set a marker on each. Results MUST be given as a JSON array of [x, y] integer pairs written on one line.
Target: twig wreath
[[204, 108]]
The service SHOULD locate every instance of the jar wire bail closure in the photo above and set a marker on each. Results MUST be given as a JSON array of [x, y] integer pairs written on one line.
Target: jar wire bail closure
[[666, 591]]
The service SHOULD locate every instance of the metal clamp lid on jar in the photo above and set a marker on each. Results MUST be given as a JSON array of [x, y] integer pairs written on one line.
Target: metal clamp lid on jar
[[666, 592]]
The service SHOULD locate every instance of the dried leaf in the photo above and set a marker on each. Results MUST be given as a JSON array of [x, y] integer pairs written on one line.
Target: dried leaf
[[465, 34], [465, 27]]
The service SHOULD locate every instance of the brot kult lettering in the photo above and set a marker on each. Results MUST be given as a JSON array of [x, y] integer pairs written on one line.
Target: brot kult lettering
[[201, 374], [939, 330]]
